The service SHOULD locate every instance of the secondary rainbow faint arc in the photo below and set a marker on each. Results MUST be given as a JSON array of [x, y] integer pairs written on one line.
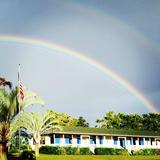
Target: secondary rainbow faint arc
[[82, 57]]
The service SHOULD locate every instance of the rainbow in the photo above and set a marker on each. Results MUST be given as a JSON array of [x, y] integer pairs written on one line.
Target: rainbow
[[81, 56]]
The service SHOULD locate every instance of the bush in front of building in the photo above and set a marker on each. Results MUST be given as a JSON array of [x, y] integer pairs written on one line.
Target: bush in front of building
[[64, 150], [85, 151], [111, 151], [61, 151], [48, 149], [122, 152], [157, 151], [146, 152], [104, 151], [52, 150], [72, 150]]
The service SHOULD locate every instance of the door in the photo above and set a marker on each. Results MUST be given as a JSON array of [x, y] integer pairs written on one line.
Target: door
[[122, 142]]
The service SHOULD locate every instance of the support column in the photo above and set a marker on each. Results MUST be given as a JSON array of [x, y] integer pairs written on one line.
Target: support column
[[81, 138], [111, 143], [118, 142], [150, 141], [47, 140], [137, 142], [97, 141], [54, 138], [62, 142], [104, 141], [144, 143]]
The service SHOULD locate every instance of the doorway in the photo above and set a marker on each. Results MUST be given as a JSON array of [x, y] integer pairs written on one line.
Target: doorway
[[122, 142]]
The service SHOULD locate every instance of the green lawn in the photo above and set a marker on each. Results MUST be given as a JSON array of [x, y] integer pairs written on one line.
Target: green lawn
[[92, 157]]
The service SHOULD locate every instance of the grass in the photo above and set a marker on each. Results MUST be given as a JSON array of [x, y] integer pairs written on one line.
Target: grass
[[92, 157]]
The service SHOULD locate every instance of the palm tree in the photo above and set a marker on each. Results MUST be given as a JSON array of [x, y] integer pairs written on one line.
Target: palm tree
[[9, 110], [37, 125], [4, 82]]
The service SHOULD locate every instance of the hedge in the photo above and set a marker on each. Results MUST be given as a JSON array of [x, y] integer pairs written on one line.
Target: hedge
[[72, 150], [98, 151], [48, 150], [146, 152], [85, 151], [64, 150], [111, 151]]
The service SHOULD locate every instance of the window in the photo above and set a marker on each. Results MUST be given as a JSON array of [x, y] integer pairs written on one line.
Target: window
[[100, 139], [141, 141], [131, 141], [68, 139], [92, 139], [115, 140], [78, 140], [57, 138]]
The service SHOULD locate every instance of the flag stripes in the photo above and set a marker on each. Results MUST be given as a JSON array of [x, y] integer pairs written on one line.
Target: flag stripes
[[21, 93], [20, 87]]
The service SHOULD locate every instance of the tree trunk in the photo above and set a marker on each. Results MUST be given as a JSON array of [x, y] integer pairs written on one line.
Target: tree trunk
[[37, 139], [3, 151], [37, 149]]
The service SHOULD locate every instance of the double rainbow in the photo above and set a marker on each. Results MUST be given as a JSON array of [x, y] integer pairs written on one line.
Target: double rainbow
[[82, 57]]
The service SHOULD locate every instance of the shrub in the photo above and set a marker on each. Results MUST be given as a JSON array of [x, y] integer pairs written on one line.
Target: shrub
[[64, 150], [48, 149], [105, 151], [157, 151], [61, 151], [111, 151], [28, 155], [122, 152], [146, 152], [85, 151], [72, 150]]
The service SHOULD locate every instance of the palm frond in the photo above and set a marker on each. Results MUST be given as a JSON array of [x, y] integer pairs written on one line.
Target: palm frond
[[4, 82]]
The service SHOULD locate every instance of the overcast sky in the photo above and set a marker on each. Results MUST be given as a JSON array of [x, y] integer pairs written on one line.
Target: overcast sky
[[124, 35]]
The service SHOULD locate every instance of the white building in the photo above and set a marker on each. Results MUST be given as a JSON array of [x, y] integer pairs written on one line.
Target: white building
[[97, 137]]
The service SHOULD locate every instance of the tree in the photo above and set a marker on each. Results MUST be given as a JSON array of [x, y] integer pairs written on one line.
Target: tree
[[81, 122], [9, 110], [37, 125], [66, 120], [120, 120], [63, 118], [151, 121], [108, 121]]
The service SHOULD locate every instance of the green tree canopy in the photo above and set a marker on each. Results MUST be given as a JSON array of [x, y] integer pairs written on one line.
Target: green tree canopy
[[81, 122], [150, 121], [67, 120]]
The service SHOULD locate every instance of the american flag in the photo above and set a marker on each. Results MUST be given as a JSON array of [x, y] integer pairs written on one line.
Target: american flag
[[21, 92]]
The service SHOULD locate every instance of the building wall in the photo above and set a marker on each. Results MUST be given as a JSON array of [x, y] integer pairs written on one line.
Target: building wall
[[99, 141]]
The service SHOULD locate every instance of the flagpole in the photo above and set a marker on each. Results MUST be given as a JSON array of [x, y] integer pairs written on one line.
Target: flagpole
[[19, 104]]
